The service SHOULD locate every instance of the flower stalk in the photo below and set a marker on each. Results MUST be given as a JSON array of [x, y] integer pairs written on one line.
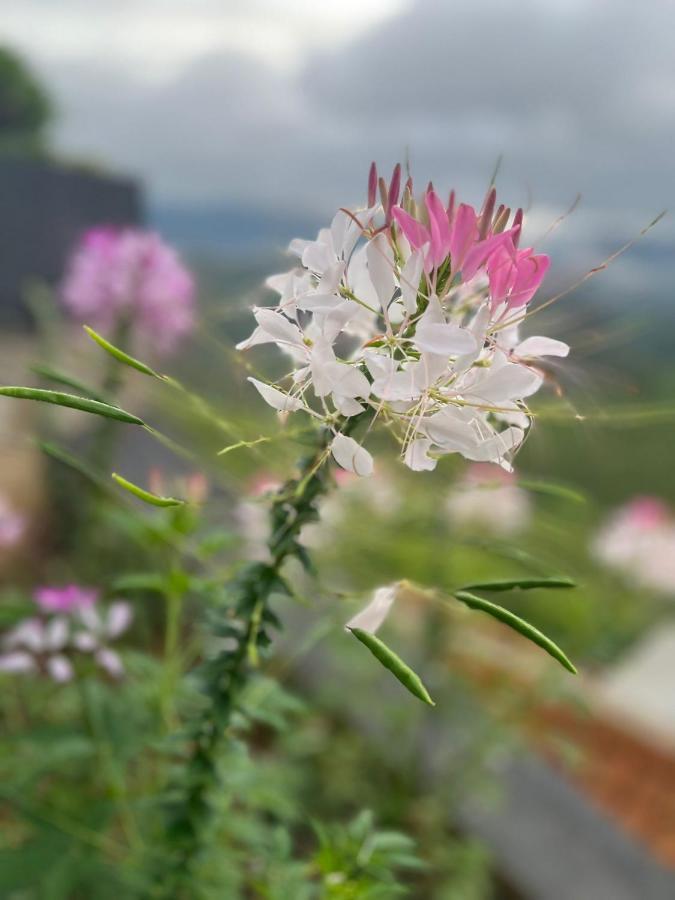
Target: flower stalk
[[245, 626]]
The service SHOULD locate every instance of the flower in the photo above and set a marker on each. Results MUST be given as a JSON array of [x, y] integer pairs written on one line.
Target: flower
[[38, 645], [410, 311], [488, 499], [12, 525], [65, 599], [128, 276], [98, 628], [71, 622], [638, 542], [372, 616]]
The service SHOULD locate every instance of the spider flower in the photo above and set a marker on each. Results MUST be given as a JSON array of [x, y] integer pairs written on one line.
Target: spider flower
[[71, 623], [130, 278], [409, 311], [638, 542], [488, 500]]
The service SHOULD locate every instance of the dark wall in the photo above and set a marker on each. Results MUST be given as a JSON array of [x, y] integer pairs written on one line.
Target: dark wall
[[44, 208]]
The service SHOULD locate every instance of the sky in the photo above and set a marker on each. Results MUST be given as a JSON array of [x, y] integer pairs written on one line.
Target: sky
[[281, 106]]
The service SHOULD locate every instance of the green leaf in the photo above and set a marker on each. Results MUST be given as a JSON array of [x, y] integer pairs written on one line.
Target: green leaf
[[95, 407], [552, 489], [400, 670], [120, 355], [66, 380], [520, 625], [140, 581], [146, 496], [520, 584], [78, 465]]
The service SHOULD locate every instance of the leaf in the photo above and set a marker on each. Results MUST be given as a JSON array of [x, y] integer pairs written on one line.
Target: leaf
[[552, 489], [146, 496], [66, 380], [78, 465], [95, 407], [140, 581], [120, 355], [520, 625], [400, 670], [520, 584]]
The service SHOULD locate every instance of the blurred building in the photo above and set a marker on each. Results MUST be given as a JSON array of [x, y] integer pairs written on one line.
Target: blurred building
[[45, 207]]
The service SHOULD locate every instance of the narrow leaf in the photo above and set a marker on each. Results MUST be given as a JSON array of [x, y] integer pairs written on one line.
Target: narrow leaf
[[400, 670], [66, 380], [552, 489], [520, 625], [120, 355], [78, 465], [146, 496], [95, 407], [520, 584]]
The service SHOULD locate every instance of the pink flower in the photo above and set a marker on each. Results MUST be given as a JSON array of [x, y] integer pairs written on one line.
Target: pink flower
[[12, 525], [515, 275], [67, 599], [116, 276]]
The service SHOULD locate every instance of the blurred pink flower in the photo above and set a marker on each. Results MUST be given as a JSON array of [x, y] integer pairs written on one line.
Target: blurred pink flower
[[65, 599], [12, 525], [118, 275], [638, 542], [488, 499]]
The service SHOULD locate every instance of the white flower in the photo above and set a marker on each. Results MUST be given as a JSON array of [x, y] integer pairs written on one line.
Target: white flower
[[99, 628], [38, 645], [413, 319], [373, 615]]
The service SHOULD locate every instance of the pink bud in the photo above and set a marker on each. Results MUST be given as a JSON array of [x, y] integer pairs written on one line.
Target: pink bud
[[394, 190], [372, 185]]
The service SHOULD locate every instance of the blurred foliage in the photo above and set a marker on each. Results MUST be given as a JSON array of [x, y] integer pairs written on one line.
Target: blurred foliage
[[25, 107]]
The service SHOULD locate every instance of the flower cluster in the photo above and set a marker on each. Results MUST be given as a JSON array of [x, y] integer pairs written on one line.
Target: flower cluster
[[130, 278], [638, 542], [409, 308], [70, 623]]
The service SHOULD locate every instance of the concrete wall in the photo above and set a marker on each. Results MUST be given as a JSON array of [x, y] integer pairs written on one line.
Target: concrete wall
[[44, 207]]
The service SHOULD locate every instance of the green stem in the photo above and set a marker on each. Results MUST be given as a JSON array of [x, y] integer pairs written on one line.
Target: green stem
[[174, 607], [245, 623]]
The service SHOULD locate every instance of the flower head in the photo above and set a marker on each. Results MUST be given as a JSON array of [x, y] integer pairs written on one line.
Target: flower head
[[638, 542], [409, 309], [65, 599], [71, 622], [118, 276]]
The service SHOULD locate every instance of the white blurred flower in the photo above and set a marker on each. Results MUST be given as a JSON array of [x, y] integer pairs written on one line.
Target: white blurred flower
[[39, 646], [638, 542], [489, 500], [411, 312], [12, 525], [372, 616], [97, 628]]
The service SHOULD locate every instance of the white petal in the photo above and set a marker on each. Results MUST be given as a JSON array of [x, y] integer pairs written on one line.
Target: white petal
[[16, 662], [351, 456], [59, 668], [372, 616], [410, 280], [542, 346], [120, 615], [110, 662], [346, 406], [506, 382], [56, 633], [450, 430], [417, 456], [85, 641], [445, 340], [276, 398], [277, 326], [381, 268]]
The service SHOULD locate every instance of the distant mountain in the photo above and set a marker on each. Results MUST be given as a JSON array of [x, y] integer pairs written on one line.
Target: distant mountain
[[229, 231]]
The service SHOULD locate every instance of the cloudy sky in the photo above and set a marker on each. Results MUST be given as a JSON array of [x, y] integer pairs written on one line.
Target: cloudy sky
[[283, 104]]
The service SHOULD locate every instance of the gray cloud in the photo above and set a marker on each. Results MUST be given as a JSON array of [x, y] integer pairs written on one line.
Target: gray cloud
[[577, 96]]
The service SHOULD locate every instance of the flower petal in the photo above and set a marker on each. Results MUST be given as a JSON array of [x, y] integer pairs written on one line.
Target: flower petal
[[351, 455], [276, 398]]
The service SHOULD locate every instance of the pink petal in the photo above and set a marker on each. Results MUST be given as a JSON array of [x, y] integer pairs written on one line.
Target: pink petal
[[414, 231], [440, 228], [464, 235]]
